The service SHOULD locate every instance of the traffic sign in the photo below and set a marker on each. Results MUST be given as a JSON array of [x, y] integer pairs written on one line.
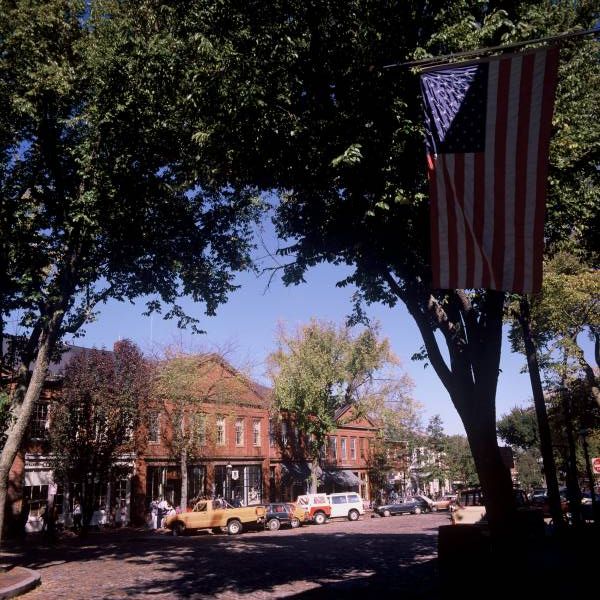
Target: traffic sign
[[596, 465]]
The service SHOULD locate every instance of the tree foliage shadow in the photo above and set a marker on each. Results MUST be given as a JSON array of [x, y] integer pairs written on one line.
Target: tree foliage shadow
[[333, 564]]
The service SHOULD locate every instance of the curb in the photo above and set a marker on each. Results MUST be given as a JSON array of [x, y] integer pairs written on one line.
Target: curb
[[17, 581]]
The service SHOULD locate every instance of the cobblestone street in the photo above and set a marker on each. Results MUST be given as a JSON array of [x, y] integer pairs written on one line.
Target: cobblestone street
[[337, 560]]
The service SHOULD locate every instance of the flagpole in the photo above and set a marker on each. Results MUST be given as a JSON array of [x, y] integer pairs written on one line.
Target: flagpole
[[439, 60]]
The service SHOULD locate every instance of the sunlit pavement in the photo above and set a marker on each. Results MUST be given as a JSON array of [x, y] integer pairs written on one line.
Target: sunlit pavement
[[367, 558]]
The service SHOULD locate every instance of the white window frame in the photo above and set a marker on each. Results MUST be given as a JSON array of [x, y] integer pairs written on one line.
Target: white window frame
[[239, 431], [40, 406], [256, 433], [221, 431], [352, 448], [333, 444]]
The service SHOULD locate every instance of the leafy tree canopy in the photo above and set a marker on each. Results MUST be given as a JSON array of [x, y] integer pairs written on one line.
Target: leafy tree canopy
[[321, 368], [519, 428], [459, 460]]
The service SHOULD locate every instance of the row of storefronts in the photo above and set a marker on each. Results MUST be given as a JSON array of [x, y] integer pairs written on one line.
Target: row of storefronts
[[127, 500], [254, 458]]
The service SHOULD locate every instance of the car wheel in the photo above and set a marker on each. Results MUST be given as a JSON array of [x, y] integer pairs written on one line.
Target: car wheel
[[353, 515], [434, 509], [418, 511], [273, 524], [295, 523], [234, 527], [386, 513], [320, 518], [178, 528]]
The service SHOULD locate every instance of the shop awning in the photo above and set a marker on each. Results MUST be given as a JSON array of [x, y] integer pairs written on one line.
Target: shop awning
[[299, 472], [341, 477]]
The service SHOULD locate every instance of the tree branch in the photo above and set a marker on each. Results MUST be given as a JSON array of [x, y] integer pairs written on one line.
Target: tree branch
[[413, 305]]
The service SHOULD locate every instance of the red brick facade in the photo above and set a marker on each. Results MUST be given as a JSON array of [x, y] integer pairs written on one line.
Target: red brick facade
[[239, 453]]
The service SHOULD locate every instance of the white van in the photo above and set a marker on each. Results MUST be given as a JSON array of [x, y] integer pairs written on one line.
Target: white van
[[346, 504]]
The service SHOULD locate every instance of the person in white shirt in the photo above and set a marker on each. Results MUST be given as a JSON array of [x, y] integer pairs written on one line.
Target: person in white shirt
[[163, 509]]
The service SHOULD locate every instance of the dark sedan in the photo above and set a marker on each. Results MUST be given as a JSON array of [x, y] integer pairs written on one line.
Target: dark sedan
[[281, 513], [414, 506]]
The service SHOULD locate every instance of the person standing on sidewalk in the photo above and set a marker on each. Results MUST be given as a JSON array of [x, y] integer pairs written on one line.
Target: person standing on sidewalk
[[163, 509], [76, 515]]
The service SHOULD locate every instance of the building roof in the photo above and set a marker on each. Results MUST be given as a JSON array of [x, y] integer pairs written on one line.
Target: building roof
[[62, 356]]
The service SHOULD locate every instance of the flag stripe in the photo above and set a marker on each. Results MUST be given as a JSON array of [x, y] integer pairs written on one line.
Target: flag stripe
[[442, 223], [499, 172], [482, 270], [434, 223], [532, 169], [521, 170], [549, 82], [490, 168], [469, 219], [512, 121], [450, 195]]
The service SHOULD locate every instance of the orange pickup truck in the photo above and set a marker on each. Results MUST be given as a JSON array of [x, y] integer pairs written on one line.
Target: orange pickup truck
[[208, 515]]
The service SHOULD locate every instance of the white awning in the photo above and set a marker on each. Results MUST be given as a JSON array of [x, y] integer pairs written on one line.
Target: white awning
[[38, 477]]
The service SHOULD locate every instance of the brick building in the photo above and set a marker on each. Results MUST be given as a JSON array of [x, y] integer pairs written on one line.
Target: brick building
[[242, 450]]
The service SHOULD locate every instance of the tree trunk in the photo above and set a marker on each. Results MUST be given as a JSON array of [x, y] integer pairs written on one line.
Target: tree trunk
[[184, 479], [473, 337], [542, 416], [494, 475], [314, 483], [23, 411]]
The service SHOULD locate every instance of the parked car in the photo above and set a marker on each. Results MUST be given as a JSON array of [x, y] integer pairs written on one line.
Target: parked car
[[282, 513], [316, 507], [346, 504], [414, 506], [470, 507], [446, 502], [539, 499]]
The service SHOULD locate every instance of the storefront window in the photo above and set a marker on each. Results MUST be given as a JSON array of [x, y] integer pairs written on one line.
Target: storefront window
[[37, 497], [243, 483], [196, 482]]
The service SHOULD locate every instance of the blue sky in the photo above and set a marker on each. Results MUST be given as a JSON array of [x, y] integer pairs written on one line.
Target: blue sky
[[246, 328]]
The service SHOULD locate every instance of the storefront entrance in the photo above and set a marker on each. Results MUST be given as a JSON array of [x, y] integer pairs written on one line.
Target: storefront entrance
[[165, 482], [241, 483]]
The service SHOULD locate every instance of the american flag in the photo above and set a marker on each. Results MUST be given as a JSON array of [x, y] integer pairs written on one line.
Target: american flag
[[488, 131]]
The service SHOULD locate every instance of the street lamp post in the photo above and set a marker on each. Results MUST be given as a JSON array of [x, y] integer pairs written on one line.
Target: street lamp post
[[227, 493]]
